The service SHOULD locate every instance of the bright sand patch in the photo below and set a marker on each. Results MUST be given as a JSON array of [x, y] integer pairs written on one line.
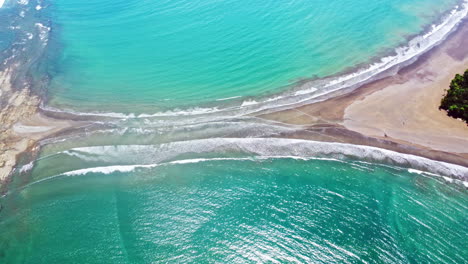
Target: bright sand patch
[[408, 110]]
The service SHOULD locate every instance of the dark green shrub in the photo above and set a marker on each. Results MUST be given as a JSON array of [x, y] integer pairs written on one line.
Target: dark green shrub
[[455, 102]]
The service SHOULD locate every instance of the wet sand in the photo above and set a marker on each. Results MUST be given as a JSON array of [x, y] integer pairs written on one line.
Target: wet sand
[[399, 113]]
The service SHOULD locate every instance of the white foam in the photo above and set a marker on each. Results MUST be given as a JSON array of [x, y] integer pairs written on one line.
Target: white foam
[[26, 167], [1, 3], [256, 158], [101, 114], [228, 98], [126, 168], [264, 149], [306, 91], [131, 168], [170, 113], [108, 169], [447, 179], [43, 32], [182, 112], [102, 170], [272, 99], [415, 171], [336, 194], [272, 147], [191, 161], [249, 102], [420, 172]]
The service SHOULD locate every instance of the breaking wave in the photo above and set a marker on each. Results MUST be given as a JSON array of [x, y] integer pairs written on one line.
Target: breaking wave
[[260, 147]]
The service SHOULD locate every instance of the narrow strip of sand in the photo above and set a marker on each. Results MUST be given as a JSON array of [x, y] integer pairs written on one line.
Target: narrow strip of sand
[[399, 113]]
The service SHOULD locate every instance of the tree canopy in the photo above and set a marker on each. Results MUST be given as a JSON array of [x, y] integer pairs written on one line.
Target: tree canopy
[[455, 102]]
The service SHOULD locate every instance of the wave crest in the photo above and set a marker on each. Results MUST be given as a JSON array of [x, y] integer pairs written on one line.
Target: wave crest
[[263, 147]]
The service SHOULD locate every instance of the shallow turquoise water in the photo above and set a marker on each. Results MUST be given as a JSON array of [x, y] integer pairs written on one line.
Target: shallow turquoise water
[[167, 54], [238, 212]]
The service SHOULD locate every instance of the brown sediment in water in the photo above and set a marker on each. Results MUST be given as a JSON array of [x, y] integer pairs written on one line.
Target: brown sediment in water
[[399, 113]]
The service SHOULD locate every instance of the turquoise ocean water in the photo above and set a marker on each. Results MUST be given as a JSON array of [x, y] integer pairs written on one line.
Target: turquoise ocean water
[[172, 171], [162, 55], [237, 211]]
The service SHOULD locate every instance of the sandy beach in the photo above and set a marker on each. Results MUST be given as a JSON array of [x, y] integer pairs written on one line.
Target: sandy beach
[[399, 113]]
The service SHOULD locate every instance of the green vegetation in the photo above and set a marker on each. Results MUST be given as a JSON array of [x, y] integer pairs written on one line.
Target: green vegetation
[[455, 101]]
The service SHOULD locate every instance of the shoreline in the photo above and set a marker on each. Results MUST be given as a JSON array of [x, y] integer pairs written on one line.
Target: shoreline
[[23, 125], [422, 130], [367, 115], [299, 93]]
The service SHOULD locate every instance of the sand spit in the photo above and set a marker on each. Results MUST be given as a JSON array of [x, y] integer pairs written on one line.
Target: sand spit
[[399, 113]]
